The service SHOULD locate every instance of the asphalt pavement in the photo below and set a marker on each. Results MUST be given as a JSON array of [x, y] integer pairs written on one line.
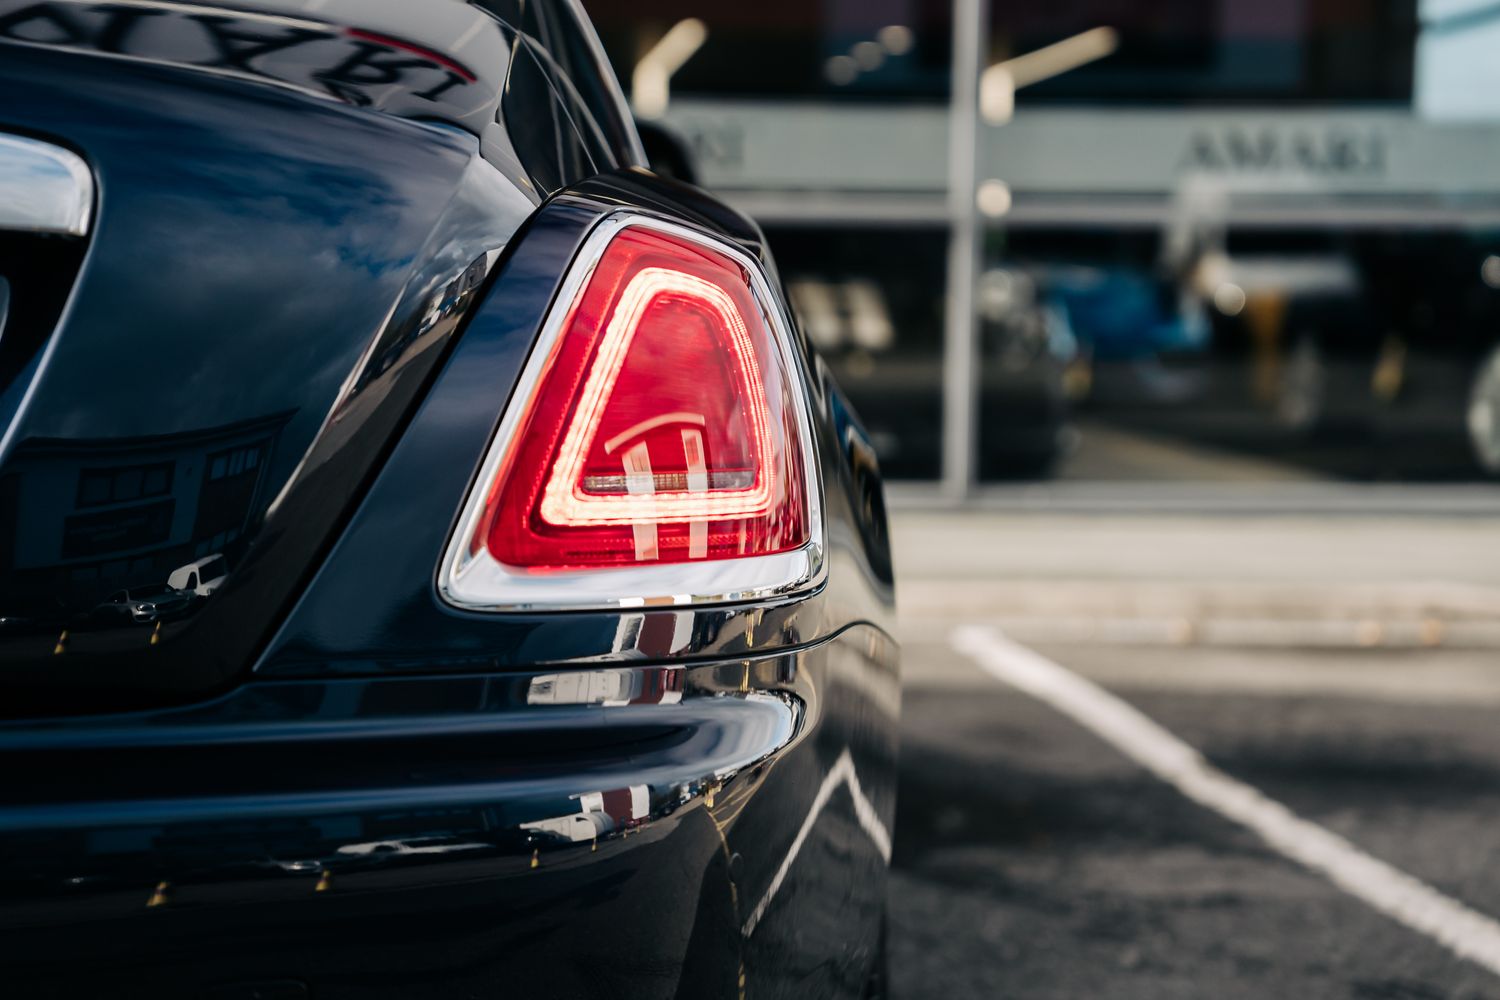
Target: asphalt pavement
[[1342, 673]]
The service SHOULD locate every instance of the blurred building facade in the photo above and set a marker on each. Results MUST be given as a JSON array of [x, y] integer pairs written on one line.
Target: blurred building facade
[[1233, 239]]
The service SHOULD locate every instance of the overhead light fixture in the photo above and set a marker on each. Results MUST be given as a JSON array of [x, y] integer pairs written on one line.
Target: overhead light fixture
[[650, 83], [999, 83], [895, 38], [869, 55], [841, 70], [993, 198]]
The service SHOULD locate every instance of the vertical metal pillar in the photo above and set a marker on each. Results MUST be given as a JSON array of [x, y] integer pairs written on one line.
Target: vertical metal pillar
[[965, 242]]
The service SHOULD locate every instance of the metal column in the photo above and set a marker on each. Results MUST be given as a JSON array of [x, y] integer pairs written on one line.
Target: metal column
[[965, 240]]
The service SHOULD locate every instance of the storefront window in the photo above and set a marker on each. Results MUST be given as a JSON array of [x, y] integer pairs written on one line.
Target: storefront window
[[1240, 240]]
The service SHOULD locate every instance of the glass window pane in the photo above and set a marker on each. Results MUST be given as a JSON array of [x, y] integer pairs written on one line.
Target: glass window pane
[[1256, 238], [839, 50]]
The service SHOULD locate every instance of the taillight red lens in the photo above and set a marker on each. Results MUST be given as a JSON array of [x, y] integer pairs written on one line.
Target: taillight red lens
[[664, 427]]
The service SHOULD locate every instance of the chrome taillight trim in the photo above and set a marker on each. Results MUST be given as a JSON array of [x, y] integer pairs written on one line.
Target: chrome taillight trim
[[478, 582], [44, 188]]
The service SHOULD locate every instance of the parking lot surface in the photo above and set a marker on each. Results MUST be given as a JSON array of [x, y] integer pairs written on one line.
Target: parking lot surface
[[1036, 857]]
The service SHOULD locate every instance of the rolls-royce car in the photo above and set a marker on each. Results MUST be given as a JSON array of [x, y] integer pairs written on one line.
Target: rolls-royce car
[[547, 650]]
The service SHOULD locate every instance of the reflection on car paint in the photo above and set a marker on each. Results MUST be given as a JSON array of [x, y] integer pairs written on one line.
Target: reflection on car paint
[[293, 287], [444, 308], [652, 686], [406, 73], [202, 576], [123, 524], [641, 636], [406, 848], [842, 773], [728, 747], [599, 814]]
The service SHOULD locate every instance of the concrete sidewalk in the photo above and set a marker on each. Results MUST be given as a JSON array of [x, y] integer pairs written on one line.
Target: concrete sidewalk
[[1219, 580]]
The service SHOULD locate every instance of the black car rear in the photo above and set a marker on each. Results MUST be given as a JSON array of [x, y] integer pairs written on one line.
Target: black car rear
[[324, 258]]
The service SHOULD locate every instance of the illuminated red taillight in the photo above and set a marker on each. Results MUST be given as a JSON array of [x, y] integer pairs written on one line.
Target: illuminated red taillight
[[661, 423]]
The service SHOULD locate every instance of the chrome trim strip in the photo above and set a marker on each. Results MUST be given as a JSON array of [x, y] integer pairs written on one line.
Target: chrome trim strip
[[43, 188], [478, 582]]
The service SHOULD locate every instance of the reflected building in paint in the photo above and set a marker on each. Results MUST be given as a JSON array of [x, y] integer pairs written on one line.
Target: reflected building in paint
[[126, 512]]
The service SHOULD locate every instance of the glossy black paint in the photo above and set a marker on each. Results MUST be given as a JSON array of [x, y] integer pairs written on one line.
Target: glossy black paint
[[361, 791], [209, 874], [235, 280]]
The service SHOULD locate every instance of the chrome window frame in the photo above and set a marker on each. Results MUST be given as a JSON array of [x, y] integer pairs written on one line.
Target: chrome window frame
[[479, 582]]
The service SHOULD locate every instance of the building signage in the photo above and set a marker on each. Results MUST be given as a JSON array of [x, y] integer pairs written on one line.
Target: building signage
[[797, 158]]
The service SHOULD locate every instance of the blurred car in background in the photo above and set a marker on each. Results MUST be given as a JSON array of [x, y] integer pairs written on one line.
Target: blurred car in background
[[1032, 367], [1127, 323], [870, 299]]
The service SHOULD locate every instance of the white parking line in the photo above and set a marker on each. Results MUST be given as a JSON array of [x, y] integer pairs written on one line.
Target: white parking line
[[1399, 896]]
